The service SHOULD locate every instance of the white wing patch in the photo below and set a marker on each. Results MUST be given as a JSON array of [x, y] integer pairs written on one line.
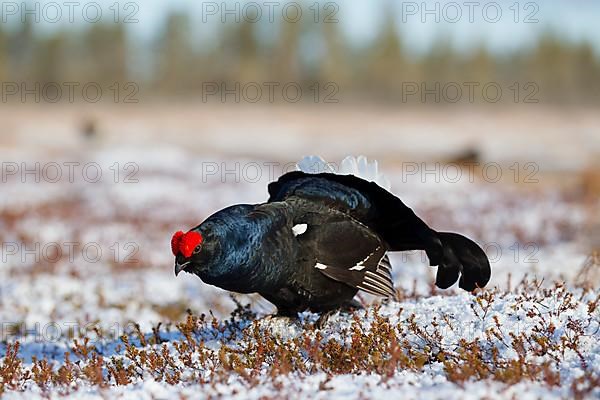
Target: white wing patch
[[299, 229], [372, 275], [361, 265]]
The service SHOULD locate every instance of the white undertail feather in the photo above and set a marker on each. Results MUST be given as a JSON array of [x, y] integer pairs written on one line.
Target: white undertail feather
[[315, 165], [357, 166]]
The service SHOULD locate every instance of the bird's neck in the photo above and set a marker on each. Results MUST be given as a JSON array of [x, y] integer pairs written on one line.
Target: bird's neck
[[244, 264]]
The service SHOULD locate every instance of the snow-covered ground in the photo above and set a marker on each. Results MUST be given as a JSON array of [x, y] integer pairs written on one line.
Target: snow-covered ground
[[87, 254]]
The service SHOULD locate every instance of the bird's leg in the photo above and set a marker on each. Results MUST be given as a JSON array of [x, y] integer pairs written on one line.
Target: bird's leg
[[323, 318], [347, 308], [283, 315], [279, 317], [352, 305]]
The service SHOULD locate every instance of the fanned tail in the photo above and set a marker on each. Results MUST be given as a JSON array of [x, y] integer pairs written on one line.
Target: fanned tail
[[458, 258]]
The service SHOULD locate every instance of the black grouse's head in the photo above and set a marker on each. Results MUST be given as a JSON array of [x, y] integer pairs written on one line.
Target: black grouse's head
[[193, 251], [220, 250]]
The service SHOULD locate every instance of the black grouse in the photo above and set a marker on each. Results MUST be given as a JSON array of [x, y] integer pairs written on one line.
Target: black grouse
[[319, 239]]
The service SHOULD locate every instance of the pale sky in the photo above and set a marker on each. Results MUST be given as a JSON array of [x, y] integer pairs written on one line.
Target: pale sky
[[573, 19]]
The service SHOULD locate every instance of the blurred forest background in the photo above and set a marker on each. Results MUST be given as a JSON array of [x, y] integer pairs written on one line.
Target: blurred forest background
[[370, 53], [176, 62]]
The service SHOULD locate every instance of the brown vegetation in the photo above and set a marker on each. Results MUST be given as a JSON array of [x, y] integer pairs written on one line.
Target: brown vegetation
[[251, 350]]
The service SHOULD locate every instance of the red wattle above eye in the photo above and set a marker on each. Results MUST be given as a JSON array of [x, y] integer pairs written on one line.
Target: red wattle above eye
[[185, 243], [175, 241]]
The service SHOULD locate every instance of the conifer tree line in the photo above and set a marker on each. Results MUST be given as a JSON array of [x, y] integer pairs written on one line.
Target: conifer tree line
[[179, 63]]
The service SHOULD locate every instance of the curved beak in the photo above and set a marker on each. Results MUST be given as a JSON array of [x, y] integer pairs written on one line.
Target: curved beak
[[180, 267]]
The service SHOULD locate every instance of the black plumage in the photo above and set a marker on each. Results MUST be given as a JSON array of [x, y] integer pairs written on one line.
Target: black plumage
[[319, 239]]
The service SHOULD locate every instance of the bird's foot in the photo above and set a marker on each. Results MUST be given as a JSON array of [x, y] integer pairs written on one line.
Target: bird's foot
[[347, 308], [280, 317], [280, 325], [352, 305], [323, 318]]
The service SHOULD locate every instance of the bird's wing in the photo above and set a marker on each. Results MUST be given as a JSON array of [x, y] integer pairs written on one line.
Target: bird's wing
[[372, 275], [345, 250], [366, 202], [337, 191], [391, 220]]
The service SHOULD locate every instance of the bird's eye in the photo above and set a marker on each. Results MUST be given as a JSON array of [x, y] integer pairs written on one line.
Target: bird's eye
[[197, 249]]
